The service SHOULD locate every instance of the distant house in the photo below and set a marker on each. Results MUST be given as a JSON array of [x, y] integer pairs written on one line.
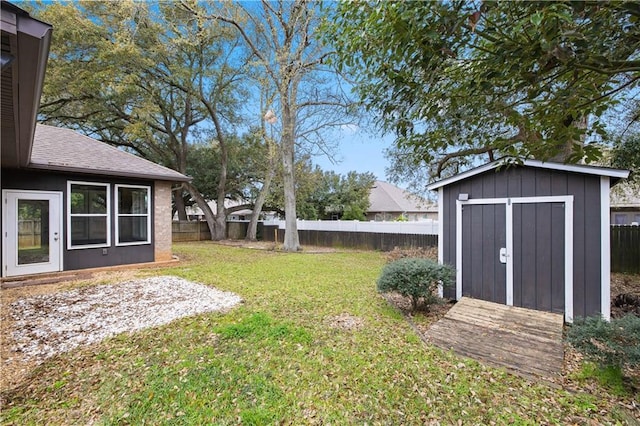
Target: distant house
[[194, 212], [68, 201], [625, 204], [388, 203]]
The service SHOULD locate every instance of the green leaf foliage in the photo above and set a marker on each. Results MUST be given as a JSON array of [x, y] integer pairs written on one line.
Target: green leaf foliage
[[626, 155], [615, 343], [461, 79], [417, 278]]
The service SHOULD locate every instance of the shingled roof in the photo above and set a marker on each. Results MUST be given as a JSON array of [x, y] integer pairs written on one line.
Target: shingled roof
[[59, 149], [385, 197]]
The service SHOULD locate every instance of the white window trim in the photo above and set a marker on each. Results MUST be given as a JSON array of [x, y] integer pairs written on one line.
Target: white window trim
[[69, 215], [118, 215]]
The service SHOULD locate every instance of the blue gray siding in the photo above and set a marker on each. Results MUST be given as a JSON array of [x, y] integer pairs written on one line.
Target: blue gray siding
[[90, 257], [538, 237]]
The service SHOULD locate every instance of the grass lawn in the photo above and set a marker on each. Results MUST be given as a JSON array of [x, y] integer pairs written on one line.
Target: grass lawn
[[278, 358]]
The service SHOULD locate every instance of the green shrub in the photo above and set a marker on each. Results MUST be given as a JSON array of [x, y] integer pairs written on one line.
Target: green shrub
[[615, 343], [416, 278]]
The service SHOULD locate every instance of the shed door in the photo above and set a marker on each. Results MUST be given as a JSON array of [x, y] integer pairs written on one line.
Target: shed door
[[517, 251], [538, 256], [484, 235]]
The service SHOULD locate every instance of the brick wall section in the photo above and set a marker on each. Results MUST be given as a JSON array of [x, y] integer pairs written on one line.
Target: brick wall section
[[162, 220]]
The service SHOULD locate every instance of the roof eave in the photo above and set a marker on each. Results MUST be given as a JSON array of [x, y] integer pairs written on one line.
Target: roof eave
[[614, 174], [94, 172]]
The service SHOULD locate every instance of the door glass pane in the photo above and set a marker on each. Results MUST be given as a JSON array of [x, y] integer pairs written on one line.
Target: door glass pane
[[33, 231]]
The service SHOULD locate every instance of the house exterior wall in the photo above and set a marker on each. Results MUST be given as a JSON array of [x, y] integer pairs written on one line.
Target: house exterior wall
[[162, 220], [86, 257], [409, 216], [533, 182]]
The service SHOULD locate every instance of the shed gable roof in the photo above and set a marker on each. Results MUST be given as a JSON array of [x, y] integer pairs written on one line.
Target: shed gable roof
[[59, 149], [574, 168]]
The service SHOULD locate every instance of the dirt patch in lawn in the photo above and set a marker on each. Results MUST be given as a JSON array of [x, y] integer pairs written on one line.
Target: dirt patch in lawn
[[346, 321], [625, 294], [270, 245]]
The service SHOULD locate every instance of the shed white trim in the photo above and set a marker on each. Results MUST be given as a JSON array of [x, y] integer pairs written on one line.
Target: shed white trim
[[440, 234], [605, 250], [508, 202], [577, 168]]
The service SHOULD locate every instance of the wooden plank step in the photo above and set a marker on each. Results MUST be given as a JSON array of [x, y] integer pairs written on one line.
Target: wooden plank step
[[496, 315], [495, 341], [522, 359], [531, 327], [524, 341]]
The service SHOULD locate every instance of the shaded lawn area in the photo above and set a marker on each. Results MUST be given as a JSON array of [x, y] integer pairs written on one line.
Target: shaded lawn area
[[279, 358]]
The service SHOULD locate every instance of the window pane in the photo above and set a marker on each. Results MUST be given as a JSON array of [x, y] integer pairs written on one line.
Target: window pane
[[88, 230], [620, 219], [88, 199], [132, 200], [33, 231], [132, 229]]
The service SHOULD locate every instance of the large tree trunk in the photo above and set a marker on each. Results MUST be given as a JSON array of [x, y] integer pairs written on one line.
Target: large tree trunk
[[291, 239], [181, 208], [568, 147], [202, 203], [252, 229], [220, 229]]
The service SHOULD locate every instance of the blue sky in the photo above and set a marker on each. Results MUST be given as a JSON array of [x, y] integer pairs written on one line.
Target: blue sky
[[359, 151]]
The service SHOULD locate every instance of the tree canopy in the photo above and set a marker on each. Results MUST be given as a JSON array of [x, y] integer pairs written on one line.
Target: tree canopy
[[459, 79]]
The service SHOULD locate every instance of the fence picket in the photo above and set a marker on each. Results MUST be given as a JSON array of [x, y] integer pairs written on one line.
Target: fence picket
[[625, 249]]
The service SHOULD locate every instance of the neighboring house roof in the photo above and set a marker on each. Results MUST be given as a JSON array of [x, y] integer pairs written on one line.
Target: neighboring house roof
[[59, 149], [385, 197], [625, 195], [616, 174]]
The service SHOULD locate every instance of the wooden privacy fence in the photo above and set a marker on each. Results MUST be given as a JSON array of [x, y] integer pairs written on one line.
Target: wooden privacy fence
[[190, 231], [356, 240], [625, 240], [199, 231], [29, 233], [625, 249]]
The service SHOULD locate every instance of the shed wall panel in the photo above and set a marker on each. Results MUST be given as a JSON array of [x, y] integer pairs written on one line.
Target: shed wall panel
[[592, 243]]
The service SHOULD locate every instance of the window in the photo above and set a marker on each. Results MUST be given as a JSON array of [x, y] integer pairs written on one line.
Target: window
[[620, 218], [133, 220], [88, 220]]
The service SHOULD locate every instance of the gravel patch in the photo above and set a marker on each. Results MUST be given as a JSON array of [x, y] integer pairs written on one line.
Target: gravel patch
[[49, 324]]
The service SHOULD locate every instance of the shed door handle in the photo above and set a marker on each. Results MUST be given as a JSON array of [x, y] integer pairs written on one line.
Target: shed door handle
[[503, 255]]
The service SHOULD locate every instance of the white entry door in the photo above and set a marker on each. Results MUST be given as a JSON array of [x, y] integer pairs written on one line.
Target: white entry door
[[32, 229]]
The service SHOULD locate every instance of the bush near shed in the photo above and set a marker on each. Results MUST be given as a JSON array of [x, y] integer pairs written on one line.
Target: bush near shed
[[416, 278], [611, 344]]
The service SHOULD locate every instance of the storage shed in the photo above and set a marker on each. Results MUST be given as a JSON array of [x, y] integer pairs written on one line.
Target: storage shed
[[534, 235]]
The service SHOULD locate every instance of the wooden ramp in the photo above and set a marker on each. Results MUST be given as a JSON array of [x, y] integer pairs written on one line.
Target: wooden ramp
[[524, 341]]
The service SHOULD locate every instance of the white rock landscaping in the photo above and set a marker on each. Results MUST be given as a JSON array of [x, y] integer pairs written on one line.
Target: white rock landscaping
[[50, 324]]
